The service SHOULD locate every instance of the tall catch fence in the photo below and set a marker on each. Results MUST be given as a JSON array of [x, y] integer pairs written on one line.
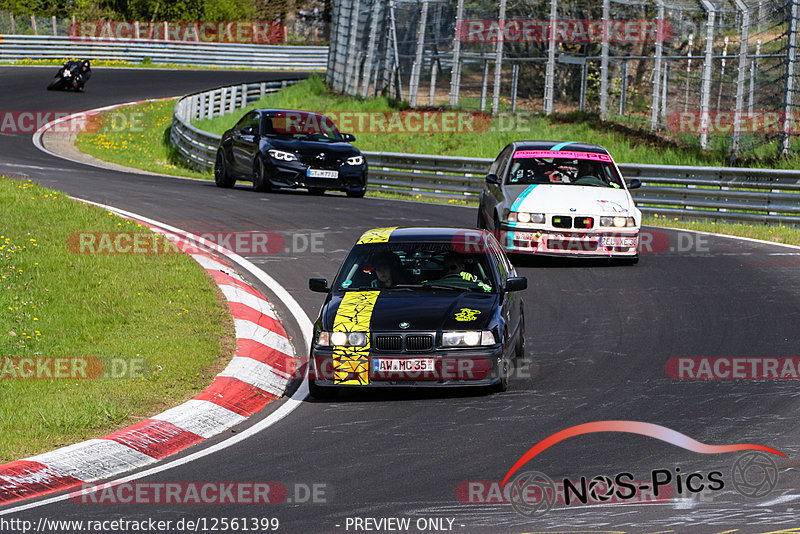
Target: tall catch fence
[[719, 74]]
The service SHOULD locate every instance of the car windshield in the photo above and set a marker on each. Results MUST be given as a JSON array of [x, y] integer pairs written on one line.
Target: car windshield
[[300, 125], [578, 168], [405, 266]]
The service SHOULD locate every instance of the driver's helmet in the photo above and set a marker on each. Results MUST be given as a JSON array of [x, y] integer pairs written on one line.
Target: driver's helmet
[[86, 64]]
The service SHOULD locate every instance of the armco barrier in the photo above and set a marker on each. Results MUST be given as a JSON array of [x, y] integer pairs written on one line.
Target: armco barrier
[[232, 55], [714, 193]]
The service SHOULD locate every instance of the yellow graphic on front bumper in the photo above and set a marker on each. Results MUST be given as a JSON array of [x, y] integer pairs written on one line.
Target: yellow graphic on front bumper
[[376, 235], [351, 364]]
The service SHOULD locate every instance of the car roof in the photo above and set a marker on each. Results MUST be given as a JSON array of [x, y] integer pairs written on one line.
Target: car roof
[[422, 234], [262, 111], [559, 145]]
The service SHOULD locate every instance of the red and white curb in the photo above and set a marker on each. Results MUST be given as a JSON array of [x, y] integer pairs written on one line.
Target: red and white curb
[[258, 374]]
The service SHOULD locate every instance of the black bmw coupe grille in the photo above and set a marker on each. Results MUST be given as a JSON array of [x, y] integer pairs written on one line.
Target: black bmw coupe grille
[[389, 343], [419, 342], [325, 160], [403, 342]]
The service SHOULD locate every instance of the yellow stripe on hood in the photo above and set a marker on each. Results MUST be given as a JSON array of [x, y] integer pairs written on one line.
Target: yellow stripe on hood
[[351, 364]]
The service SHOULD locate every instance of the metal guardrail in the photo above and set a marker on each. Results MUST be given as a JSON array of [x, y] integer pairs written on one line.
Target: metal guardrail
[[232, 55], [714, 193]]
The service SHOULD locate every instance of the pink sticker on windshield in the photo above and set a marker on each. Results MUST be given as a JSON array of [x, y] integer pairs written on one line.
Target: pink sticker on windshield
[[561, 154]]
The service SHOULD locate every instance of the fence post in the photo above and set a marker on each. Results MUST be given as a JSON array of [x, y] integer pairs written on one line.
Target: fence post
[[455, 72], [413, 84], [623, 90], [514, 82], [664, 92], [434, 72], [13, 26], [498, 60], [705, 91], [373, 37], [737, 114], [55, 26], [753, 69], [604, 61], [722, 71], [657, 67], [352, 51], [688, 71], [584, 73], [789, 87], [244, 95], [398, 82], [549, 76], [484, 84], [33, 25]]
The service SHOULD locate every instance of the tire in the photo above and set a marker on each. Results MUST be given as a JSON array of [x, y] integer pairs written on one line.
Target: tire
[[357, 194], [316, 190], [54, 84], [633, 260], [504, 372], [260, 181], [320, 392], [221, 176]]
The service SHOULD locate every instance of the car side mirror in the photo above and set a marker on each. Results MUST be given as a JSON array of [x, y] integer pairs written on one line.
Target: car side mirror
[[248, 130], [349, 137], [634, 183], [492, 178], [320, 285], [516, 283]]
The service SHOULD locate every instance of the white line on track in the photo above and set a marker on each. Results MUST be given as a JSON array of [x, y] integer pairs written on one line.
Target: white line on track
[[288, 407]]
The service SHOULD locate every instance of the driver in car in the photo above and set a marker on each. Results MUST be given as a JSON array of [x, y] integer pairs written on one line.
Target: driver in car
[[454, 267]]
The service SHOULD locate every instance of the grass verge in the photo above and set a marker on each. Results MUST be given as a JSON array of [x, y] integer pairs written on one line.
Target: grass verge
[[160, 311], [137, 136]]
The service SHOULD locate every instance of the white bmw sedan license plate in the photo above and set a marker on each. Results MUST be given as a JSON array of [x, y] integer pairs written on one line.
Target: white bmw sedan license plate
[[407, 364], [322, 173]]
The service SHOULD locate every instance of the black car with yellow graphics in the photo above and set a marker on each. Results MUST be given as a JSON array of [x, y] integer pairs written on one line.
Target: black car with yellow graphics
[[419, 307], [280, 148]]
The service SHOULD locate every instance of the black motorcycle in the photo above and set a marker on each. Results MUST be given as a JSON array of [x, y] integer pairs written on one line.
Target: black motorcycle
[[71, 77]]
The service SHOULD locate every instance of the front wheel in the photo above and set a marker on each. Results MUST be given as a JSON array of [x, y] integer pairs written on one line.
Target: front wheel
[[260, 180], [358, 193], [504, 371], [221, 176], [316, 190]]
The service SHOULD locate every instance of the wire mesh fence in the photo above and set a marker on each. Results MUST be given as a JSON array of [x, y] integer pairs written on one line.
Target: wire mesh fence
[[718, 74]]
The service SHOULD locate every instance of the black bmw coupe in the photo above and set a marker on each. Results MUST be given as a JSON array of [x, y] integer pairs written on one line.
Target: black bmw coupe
[[278, 148], [419, 307]]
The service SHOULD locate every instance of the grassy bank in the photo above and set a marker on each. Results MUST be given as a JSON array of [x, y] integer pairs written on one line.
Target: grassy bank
[[137, 136], [158, 311]]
